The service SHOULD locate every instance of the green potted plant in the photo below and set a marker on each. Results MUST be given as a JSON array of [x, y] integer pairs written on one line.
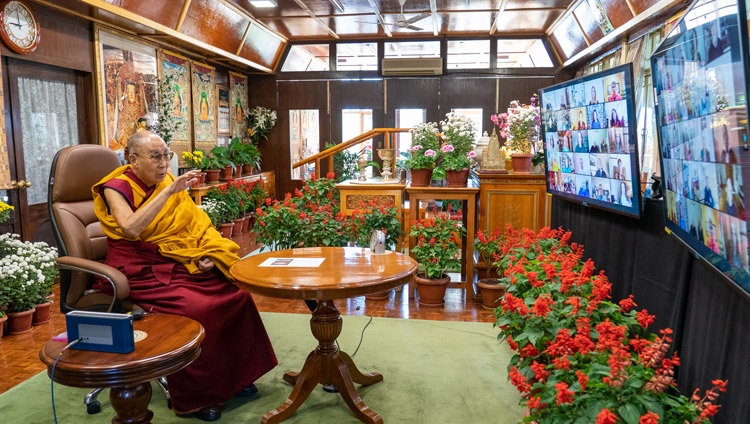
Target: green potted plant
[[221, 160], [258, 122], [456, 154], [245, 155], [437, 248], [487, 245], [423, 153], [28, 272]]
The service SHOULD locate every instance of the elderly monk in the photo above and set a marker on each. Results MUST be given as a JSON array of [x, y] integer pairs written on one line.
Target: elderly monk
[[177, 263]]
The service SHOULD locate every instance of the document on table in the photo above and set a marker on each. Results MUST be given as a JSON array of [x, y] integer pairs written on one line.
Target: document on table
[[293, 262]]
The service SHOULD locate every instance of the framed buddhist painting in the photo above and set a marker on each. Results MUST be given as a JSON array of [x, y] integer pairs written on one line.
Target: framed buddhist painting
[[204, 105], [237, 103], [127, 83], [223, 113]]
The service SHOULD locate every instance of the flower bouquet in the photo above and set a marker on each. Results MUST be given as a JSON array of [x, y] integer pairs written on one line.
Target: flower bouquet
[[520, 126], [259, 121], [425, 143]]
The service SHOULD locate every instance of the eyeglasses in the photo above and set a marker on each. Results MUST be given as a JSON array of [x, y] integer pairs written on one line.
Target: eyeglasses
[[156, 157]]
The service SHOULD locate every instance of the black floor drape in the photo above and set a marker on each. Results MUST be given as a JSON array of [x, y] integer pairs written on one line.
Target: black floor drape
[[707, 314]]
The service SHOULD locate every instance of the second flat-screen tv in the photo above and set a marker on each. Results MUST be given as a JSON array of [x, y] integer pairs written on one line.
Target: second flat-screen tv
[[699, 73], [589, 131]]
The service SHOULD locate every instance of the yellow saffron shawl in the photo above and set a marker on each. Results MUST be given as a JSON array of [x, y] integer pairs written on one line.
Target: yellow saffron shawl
[[181, 230]]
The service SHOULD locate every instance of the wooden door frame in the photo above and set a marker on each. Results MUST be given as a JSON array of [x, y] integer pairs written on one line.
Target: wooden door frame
[[30, 219]]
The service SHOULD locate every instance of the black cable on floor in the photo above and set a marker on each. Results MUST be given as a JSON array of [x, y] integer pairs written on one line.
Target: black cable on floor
[[52, 376]]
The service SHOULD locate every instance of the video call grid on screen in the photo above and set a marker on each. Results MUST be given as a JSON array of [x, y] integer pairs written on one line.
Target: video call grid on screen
[[589, 146], [700, 83]]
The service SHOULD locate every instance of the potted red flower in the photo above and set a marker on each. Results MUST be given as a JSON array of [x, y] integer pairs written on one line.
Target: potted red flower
[[437, 249]]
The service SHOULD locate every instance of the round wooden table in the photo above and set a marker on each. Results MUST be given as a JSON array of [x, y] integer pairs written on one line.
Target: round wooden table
[[343, 272], [172, 342]]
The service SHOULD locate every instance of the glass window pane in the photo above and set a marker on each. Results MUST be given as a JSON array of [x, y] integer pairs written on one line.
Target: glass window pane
[[469, 54], [353, 123], [357, 57], [307, 58], [304, 140], [522, 53], [412, 49], [407, 118]]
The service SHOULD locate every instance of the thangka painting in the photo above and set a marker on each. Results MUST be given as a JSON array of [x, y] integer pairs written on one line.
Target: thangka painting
[[127, 83], [237, 103], [177, 67], [205, 105]]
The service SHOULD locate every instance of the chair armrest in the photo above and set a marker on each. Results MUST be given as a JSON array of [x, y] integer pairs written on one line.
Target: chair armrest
[[120, 285]]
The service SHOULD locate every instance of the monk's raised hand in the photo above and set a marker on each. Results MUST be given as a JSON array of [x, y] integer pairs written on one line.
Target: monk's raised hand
[[185, 181]]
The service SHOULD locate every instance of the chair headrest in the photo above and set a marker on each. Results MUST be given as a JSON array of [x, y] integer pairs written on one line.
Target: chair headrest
[[76, 169]]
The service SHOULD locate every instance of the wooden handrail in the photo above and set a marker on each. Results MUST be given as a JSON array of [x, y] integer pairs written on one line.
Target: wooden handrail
[[329, 152]]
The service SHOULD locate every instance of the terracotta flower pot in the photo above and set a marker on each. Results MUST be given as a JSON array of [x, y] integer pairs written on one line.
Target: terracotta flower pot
[[431, 291], [212, 176], [421, 177], [20, 322], [42, 314], [225, 229], [491, 292], [237, 172], [521, 163], [457, 178], [238, 223], [201, 179], [226, 173], [247, 169], [247, 222]]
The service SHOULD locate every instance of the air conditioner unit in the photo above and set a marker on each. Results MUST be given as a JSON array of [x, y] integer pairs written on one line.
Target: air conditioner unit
[[404, 66]]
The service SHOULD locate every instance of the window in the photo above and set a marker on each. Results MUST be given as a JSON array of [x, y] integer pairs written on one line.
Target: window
[[526, 53], [353, 123], [407, 118], [412, 49], [469, 54], [476, 115], [307, 58], [357, 57], [304, 140]]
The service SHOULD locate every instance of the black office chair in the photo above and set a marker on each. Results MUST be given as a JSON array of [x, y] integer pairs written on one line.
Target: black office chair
[[82, 245]]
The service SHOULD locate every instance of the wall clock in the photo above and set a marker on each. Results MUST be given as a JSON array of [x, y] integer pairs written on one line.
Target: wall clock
[[19, 27]]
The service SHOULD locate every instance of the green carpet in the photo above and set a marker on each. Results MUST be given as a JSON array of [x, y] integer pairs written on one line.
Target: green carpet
[[434, 372]]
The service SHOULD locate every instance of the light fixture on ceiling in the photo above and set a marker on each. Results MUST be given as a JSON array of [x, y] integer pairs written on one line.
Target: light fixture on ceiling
[[264, 4]]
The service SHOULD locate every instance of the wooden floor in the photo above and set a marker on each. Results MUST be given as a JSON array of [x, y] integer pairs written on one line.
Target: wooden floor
[[19, 354]]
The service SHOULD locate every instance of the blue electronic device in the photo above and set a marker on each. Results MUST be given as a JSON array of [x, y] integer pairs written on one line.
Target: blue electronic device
[[101, 331]]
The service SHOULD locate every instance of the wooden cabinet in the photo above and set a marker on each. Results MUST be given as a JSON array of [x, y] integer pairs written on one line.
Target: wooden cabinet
[[517, 199], [268, 179]]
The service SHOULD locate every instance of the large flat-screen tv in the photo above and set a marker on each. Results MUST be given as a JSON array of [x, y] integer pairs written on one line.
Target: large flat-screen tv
[[589, 131], [701, 110]]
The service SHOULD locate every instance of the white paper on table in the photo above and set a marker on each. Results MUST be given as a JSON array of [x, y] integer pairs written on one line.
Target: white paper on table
[[292, 262]]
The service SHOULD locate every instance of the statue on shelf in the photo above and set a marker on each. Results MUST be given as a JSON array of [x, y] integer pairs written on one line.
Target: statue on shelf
[[492, 158]]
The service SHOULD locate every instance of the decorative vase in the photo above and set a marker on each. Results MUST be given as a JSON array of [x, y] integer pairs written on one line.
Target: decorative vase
[[457, 178], [42, 313], [212, 175], [20, 322], [247, 169], [491, 291], [226, 173], [238, 223], [431, 290], [225, 228], [421, 177], [521, 163]]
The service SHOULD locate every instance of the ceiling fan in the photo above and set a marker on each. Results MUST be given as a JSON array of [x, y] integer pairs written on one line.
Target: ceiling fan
[[402, 22]]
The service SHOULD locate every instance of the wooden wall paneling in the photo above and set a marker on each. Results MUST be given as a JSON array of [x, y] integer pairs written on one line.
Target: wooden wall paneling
[[65, 41], [166, 13], [412, 93], [215, 23], [296, 95], [469, 93], [641, 5], [618, 12]]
